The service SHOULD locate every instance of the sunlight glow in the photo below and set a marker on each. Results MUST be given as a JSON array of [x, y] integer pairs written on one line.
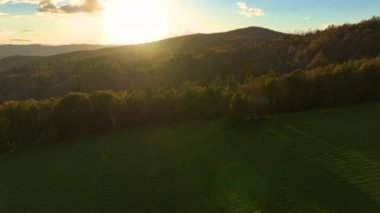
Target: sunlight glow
[[134, 21]]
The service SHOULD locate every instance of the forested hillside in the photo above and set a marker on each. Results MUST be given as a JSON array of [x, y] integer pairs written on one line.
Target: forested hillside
[[234, 77], [199, 59], [75, 114], [17, 61]]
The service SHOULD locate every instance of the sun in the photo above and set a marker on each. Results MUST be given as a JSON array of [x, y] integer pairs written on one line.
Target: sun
[[134, 21]]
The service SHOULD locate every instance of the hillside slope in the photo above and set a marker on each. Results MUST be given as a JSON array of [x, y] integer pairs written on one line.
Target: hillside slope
[[17, 61], [199, 58], [317, 161]]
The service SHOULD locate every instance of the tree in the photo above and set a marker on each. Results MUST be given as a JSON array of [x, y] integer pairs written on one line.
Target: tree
[[73, 115], [104, 106], [4, 128]]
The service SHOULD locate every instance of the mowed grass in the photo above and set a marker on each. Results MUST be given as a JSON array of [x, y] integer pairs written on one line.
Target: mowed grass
[[318, 161]]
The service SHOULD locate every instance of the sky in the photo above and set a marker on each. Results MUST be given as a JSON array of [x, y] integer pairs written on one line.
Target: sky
[[58, 22]]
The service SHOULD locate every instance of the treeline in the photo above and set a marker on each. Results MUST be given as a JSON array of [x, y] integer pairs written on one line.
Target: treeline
[[32, 121], [332, 85]]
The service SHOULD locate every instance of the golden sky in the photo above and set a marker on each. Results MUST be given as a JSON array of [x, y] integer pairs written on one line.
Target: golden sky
[[139, 21]]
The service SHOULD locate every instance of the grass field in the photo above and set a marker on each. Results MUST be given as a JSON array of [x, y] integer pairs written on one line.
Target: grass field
[[318, 161]]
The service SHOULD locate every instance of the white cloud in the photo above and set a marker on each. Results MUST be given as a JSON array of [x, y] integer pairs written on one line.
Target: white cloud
[[87, 6], [19, 1], [307, 18], [62, 6], [38, 1], [3, 14], [242, 5], [246, 11]]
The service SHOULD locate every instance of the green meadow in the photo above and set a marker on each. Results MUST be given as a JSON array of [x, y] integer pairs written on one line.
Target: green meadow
[[316, 161]]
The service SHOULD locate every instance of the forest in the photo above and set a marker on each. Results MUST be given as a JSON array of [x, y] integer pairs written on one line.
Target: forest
[[47, 120], [234, 76]]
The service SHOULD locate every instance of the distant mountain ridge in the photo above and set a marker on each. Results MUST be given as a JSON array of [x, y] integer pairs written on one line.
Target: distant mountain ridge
[[252, 32], [12, 56], [206, 41], [43, 50]]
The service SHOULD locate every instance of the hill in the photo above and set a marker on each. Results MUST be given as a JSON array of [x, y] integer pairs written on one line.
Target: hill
[[16, 61], [199, 58], [202, 42], [119, 67], [316, 161], [42, 50]]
